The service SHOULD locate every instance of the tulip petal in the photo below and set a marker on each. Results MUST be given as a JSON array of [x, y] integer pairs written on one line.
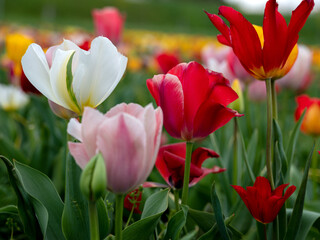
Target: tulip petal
[[74, 129], [58, 74], [101, 71], [78, 151], [205, 172], [289, 192], [223, 94], [304, 101], [210, 117], [222, 27], [122, 144], [195, 88], [243, 34], [279, 190], [91, 121], [263, 186], [275, 37], [298, 19], [179, 71], [36, 69], [201, 154]]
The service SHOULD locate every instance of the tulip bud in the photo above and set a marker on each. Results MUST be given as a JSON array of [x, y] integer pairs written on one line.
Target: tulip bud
[[93, 180], [238, 104]]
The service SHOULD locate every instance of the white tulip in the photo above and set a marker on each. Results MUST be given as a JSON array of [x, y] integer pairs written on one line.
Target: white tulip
[[12, 98], [94, 73]]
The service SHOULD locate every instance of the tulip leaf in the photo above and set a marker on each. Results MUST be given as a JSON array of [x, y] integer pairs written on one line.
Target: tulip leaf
[[9, 209], [75, 219], [176, 223], [25, 207], [69, 80], [46, 201], [308, 219], [293, 139], [154, 207], [218, 213], [190, 235], [297, 212], [204, 220], [279, 144]]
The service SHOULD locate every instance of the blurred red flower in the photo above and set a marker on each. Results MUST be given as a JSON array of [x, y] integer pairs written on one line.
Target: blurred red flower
[[193, 99], [132, 200], [311, 123], [171, 162], [166, 61], [264, 204], [267, 52]]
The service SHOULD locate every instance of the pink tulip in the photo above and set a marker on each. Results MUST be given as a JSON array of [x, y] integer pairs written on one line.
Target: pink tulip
[[128, 137], [108, 22]]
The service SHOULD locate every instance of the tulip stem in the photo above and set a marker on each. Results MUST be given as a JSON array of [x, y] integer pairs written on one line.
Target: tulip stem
[[186, 176], [235, 152], [274, 100], [269, 133], [119, 214], [94, 223], [265, 232], [314, 166]]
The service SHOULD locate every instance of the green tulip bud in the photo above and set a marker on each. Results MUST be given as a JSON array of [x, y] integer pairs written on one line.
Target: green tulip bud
[[93, 180]]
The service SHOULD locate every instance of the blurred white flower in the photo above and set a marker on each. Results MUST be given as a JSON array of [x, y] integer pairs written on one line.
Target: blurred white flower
[[12, 98], [74, 78]]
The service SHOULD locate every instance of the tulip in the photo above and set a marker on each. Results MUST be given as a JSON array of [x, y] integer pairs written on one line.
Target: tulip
[[310, 124], [12, 98], [108, 22], [128, 137], [171, 163], [267, 52], [238, 104], [193, 100], [299, 77], [132, 201], [264, 204], [166, 61], [74, 78]]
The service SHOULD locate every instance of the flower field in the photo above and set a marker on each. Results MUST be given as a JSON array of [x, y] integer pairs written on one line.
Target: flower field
[[119, 129]]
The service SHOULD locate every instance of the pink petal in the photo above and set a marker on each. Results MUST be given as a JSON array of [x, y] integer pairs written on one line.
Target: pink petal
[[78, 151]]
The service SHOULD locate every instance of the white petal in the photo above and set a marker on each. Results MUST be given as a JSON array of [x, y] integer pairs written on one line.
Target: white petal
[[74, 129], [36, 69], [58, 76], [101, 71]]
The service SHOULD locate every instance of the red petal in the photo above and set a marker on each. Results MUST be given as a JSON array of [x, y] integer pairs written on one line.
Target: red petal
[[303, 102], [206, 171], [216, 78], [275, 37], [223, 95], [245, 41], [222, 27], [263, 187], [210, 117], [195, 90], [289, 192], [201, 154], [279, 190], [176, 148], [298, 19], [178, 71]]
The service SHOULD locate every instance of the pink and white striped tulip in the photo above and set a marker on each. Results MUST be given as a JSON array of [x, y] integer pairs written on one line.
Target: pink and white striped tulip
[[128, 137]]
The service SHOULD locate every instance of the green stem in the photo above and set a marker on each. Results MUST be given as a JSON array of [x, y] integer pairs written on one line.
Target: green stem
[[314, 166], [235, 152], [186, 177], [274, 99], [119, 214], [94, 223], [269, 133], [176, 199], [265, 232], [130, 215]]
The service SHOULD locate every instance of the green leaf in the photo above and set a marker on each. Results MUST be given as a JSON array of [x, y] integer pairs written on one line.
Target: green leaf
[[204, 220], [75, 219], [10, 209], [218, 213], [190, 235], [25, 206], [103, 218], [176, 223], [47, 202], [7, 148], [307, 221], [295, 219], [279, 141], [293, 139], [154, 207]]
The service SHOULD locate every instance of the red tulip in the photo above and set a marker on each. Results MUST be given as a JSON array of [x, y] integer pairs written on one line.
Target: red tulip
[[167, 61], [193, 100], [311, 123], [267, 52], [264, 204], [132, 200], [171, 162], [108, 22]]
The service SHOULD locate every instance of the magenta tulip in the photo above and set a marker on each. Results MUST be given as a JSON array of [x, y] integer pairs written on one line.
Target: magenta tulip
[[193, 100], [108, 22], [128, 137]]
